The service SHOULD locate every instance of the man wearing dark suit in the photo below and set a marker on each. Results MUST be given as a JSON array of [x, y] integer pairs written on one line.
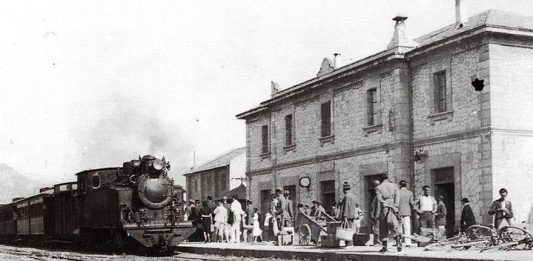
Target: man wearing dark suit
[[502, 209], [373, 217], [467, 216], [347, 211]]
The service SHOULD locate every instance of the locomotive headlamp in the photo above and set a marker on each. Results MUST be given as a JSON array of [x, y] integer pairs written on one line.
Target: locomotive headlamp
[[158, 164]]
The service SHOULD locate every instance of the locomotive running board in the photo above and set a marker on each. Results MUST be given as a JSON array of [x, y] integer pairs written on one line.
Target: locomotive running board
[[153, 236]]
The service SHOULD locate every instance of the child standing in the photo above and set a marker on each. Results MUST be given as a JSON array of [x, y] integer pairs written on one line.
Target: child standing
[[256, 231]]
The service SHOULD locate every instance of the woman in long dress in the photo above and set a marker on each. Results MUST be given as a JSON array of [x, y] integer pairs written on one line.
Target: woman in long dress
[[256, 231]]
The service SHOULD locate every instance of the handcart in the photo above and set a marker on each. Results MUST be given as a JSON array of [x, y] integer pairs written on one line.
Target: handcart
[[310, 230]]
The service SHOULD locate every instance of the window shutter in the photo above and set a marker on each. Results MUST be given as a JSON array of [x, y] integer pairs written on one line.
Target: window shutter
[[326, 119]]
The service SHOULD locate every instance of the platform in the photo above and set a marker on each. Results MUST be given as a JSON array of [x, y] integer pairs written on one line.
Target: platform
[[367, 253]]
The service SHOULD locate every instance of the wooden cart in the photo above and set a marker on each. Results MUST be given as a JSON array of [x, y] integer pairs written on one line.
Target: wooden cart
[[309, 229]]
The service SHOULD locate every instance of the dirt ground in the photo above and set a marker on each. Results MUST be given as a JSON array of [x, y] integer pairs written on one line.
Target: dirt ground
[[9, 253]]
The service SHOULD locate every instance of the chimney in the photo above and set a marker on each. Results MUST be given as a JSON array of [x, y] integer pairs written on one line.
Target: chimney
[[400, 37], [459, 13], [274, 88], [336, 60]]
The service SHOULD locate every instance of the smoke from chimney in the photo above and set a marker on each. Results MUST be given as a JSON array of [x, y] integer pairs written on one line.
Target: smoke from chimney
[[125, 128]]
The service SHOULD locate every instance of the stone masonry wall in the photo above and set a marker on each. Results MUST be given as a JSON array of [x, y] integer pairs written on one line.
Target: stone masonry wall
[[349, 119], [458, 137], [356, 150], [463, 112], [466, 157]]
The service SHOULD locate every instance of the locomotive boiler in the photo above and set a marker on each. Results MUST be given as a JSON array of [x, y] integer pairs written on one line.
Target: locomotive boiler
[[136, 205]]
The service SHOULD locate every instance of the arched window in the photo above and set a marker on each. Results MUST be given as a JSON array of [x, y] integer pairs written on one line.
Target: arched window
[[95, 181]]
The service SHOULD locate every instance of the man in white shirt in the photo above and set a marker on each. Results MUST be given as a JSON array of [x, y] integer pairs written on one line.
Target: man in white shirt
[[221, 218], [236, 208], [426, 208]]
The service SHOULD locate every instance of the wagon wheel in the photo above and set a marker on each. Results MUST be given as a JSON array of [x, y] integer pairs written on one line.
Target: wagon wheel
[[516, 235], [304, 234]]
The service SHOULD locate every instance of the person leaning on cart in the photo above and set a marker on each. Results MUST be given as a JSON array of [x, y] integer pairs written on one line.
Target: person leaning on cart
[[347, 208], [502, 210], [319, 210]]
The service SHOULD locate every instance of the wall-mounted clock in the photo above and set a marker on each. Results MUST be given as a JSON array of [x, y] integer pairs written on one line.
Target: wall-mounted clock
[[305, 182]]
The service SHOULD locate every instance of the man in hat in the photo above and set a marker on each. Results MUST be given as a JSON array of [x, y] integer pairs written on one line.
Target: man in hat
[[347, 208], [312, 210], [289, 209], [374, 215], [249, 220], [502, 210], [281, 214], [388, 195], [467, 216], [320, 211], [440, 214], [275, 206], [407, 204]]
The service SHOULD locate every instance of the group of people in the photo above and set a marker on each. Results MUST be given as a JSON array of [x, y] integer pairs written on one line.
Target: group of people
[[390, 214], [393, 206], [224, 220]]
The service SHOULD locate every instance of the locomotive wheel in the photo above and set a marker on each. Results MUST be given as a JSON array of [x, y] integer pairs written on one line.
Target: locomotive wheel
[[304, 234], [171, 250], [118, 241], [85, 240]]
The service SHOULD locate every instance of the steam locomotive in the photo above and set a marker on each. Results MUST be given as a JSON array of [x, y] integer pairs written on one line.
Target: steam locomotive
[[135, 206]]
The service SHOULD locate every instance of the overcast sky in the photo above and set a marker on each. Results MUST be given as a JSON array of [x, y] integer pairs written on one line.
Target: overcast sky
[[90, 84]]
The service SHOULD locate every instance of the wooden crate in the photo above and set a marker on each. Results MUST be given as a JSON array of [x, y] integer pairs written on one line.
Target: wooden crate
[[332, 227], [360, 239], [329, 241]]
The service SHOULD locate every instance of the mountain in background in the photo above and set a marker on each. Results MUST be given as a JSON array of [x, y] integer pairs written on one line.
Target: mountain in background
[[13, 184]]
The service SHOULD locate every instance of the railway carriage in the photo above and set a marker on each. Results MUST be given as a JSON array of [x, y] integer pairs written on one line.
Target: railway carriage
[[66, 210], [35, 216], [8, 223]]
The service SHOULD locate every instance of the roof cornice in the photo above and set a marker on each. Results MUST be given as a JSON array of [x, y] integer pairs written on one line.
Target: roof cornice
[[350, 69]]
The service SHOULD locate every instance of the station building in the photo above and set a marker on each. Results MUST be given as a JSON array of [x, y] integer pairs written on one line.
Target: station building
[[219, 177], [410, 111]]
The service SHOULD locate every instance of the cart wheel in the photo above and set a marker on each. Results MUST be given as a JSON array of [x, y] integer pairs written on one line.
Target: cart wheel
[[304, 234]]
